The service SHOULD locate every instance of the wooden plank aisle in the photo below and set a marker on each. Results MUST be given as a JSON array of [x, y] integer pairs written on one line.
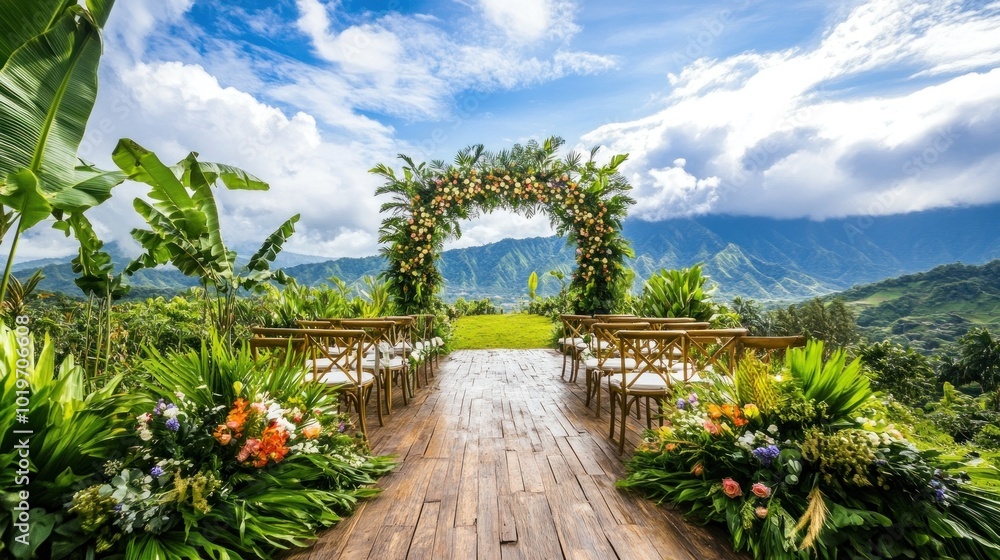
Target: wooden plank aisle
[[500, 459]]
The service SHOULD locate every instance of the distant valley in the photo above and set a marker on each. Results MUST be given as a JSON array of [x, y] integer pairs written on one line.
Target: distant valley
[[761, 258]]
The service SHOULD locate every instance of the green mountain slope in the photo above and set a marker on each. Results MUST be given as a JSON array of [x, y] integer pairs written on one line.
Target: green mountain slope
[[761, 258], [928, 309]]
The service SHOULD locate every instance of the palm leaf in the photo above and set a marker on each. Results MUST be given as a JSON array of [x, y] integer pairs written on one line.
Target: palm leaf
[[272, 245], [47, 91]]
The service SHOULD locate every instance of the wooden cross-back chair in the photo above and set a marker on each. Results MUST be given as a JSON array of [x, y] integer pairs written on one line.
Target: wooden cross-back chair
[[768, 348], [379, 358], [332, 357], [401, 340], [652, 353], [574, 328], [604, 347], [425, 342], [708, 350]]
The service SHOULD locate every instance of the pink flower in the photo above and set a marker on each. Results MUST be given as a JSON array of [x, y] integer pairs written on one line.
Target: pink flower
[[251, 447], [712, 428], [761, 512], [259, 407], [761, 490], [731, 488]]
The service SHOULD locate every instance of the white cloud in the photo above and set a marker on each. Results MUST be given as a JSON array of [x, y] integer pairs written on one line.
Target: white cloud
[[176, 107], [819, 132], [413, 66]]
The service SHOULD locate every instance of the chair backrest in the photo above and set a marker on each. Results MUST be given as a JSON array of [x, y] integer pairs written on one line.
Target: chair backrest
[[342, 348], [609, 317], [423, 325], [767, 348], [653, 353], [712, 347], [673, 324], [402, 329], [314, 323], [376, 331], [573, 326], [604, 343], [287, 344]]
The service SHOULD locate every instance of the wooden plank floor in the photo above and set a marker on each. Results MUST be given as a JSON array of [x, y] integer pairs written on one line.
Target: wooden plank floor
[[500, 459]]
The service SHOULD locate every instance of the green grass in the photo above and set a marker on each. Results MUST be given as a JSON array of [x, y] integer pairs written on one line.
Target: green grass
[[512, 330]]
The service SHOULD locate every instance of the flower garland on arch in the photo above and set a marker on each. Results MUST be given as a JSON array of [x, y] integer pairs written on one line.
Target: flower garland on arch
[[585, 201]]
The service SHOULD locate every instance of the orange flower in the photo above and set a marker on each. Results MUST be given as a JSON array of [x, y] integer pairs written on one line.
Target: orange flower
[[740, 421], [238, 415], [222, 434], [730, 410], [714, 411], [698, 470], [272, 445], [671, 447], [312, 431]]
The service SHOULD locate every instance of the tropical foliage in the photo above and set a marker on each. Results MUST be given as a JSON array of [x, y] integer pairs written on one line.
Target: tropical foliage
[[816, 474], [218, 456], [677, 293], [586, 202], [184, 227], [49, 54]]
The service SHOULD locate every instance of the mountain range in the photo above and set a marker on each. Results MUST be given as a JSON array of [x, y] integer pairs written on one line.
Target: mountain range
[[930, 309], [766, 259]]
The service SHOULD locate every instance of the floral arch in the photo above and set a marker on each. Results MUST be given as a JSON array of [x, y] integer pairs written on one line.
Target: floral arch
[[585, 201]]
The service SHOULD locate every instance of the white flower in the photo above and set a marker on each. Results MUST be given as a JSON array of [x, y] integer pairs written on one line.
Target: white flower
[[873, 437], [171, 412], [145, 435], [274, 411], [772, 429]]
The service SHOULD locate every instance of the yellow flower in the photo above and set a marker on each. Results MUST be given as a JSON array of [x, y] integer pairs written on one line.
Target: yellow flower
[[751, 411], [238, 387]]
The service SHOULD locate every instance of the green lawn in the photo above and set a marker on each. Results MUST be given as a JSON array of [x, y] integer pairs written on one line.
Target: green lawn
[[512, 330]]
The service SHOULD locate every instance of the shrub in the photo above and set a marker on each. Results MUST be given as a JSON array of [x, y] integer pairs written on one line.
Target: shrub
[[901, 372], [811, 476], [677, 293], [989, 437]]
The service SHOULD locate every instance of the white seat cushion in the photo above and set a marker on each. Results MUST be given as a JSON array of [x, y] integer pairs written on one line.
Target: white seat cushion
[[395, 362], [611, 364], [645, 382], [338, 377], [320, 364]]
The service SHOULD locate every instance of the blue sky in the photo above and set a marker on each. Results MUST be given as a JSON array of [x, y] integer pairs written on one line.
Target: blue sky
[[812, 109]]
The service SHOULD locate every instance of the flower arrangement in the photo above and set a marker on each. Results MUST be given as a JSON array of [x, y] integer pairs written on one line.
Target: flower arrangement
[[587, 202], [227, 455], [815, 473]]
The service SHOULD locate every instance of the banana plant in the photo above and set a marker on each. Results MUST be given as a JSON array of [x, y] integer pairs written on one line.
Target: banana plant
[[184, 227], [49, 55], [97, 279]]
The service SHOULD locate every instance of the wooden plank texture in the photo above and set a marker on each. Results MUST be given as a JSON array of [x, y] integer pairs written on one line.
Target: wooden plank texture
[[501, 459]]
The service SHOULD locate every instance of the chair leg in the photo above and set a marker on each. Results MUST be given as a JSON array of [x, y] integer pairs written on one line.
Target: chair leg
[[361, 412], [614, 398], [598, 381], [589, 374], [621, 437], [378, 400], [562, 348]]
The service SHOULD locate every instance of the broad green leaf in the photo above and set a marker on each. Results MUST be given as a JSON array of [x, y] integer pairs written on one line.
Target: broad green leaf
[[272, 245], [47, 91], [22, 21], [100, 10], [21, 191], [91, 187], [233, 178]]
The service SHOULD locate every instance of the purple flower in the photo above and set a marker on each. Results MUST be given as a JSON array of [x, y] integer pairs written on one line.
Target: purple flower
[[158, 410], [342, 427], [940, 494], [681, 403], [173, 424], [693, 399], [118, 507], [767, 455], [156, 471]]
